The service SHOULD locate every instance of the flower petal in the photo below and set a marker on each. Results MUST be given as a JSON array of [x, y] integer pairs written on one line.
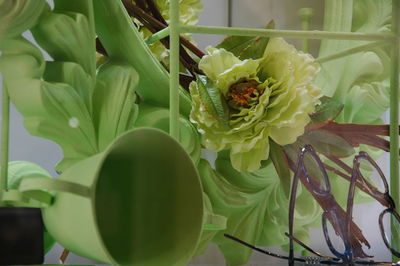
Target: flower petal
[[217, 62], [247, 155], [246, 69]]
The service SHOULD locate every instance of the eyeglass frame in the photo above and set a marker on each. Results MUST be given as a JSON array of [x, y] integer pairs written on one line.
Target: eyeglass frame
[[345, 231]]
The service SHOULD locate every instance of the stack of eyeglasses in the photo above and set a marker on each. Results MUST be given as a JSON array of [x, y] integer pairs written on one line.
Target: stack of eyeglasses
[[341, 220]]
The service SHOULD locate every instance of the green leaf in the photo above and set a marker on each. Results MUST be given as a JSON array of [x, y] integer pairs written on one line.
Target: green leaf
[[327, 143], [207, 234], [119, 35], [66, 115], [271, 25], [255, 205], [17, 16], [359, 81], [236, 44], [239, 203], [69, 38], [84, 7], [278, 157], [22, 65], [115, 110], [310, 165], [50, 110], [327, 111], [73, 75], [246, 47], [212, 99], [255, 49]]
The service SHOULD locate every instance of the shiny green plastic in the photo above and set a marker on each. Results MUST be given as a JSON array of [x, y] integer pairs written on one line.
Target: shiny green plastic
[[140, 202], [123, 42], [17, 171], [158, 117]]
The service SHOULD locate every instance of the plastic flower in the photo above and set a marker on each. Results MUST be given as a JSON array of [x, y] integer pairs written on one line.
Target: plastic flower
[[263, 99], [188, 9], [189, 15]]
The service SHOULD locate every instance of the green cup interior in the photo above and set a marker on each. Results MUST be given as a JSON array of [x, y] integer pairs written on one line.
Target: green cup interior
[[148, 202]]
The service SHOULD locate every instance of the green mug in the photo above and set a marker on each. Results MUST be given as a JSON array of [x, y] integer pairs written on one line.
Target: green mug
[[138, 203]]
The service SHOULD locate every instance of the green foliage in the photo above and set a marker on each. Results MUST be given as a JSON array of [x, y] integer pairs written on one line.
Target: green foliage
[[327, 111], [278, 158], [255, 50], [123, 42], [236, 44], [256, 207], [246, 47], [74, 75], [65, 100], [359, 81], [213, 101], [327, 143], [67, 38], [114, 99], [17, 16]]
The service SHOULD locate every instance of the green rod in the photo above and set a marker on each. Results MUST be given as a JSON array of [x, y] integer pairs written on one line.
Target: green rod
[[158, 36], [230, 13], [5, 129], [351, 51], [394, 121], [298, 34], [174, 69], [306, 15]]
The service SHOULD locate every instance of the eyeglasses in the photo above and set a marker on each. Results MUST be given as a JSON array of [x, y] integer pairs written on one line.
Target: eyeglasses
[[341, 220], [386, 199]]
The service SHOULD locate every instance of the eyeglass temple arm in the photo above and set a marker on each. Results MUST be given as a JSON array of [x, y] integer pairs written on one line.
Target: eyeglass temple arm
[[309, 249], [258, 249], [349, 211], [292, 203]]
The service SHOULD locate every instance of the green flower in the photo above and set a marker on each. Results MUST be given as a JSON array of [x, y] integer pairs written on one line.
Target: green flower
[[188, 9], [267, 98], [189, 15]]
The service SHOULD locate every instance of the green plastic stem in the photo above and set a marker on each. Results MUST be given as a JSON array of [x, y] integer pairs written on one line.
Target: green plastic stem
[[394, 120], [158, 36], [174, 69], [306, 15], [298, 34], [5, 129], [230, 13], [353, 50]]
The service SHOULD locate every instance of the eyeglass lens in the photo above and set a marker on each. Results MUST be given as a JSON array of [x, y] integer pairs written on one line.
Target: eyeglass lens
[[314, 170]]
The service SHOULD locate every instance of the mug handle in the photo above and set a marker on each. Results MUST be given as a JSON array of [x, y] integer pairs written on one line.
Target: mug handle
[[36, 191], [214, 222]]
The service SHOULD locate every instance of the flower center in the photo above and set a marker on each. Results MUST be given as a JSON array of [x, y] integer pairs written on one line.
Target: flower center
[[243, 94]]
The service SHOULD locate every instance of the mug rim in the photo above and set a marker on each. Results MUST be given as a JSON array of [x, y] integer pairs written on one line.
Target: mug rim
[[94, 186]]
